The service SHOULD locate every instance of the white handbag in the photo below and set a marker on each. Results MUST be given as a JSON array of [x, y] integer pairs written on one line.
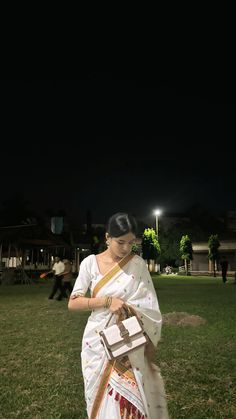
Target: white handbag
[[122, 338]]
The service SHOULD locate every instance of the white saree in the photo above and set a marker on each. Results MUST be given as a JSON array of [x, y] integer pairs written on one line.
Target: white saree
[[131, 387]]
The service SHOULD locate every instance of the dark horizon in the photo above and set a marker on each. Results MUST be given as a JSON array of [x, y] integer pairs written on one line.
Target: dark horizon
[[137, 185], [88, 143]]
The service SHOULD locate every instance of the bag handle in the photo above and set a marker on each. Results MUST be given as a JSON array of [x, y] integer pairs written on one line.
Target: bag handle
[[107, 323], [126, 310]]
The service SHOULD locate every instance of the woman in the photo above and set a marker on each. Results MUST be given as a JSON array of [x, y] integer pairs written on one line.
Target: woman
[[130, 387]]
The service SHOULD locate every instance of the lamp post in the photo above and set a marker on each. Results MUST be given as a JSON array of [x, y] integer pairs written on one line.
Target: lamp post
[[157, 212]]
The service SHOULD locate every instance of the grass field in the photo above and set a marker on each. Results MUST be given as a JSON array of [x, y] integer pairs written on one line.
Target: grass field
[[40, 371]]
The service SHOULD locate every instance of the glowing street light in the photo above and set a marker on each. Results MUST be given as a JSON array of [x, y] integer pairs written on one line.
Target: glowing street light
[[157, 212]]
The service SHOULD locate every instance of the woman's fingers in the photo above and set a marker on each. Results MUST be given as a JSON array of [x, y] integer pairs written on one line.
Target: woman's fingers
[[117, 306]]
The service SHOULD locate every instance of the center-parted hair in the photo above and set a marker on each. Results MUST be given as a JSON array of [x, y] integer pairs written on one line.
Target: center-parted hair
[[120, 224]]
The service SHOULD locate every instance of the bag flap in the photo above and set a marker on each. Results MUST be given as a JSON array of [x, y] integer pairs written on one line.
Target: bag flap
[[113, 334]]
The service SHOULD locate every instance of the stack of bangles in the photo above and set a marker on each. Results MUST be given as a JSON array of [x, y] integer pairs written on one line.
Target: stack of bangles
[[108, 301]]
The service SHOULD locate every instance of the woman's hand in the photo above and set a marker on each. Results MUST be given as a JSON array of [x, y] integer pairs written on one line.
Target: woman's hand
[[116, 305]]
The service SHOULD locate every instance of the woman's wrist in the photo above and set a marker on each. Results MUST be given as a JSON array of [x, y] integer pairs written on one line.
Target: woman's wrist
[[93, 303], [107, 301]]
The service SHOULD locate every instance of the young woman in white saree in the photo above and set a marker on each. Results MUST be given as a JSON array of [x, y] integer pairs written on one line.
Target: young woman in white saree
[[130, 387]]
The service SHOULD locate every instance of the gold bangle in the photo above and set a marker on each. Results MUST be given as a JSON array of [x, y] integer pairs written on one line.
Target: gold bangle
[[109, 302], [106, 301]]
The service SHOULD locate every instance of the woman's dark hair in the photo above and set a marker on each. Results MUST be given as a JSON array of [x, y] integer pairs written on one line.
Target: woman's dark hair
[[120, 224]]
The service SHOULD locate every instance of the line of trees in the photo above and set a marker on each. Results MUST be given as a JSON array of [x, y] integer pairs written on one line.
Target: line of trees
[[151, 249], [170, 248]]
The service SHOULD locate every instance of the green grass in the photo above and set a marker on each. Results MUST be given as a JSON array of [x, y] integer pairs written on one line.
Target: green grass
[[198, 363], [40, 371]]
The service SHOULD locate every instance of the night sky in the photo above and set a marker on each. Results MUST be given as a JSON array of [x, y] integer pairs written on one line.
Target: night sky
[[141, 142]]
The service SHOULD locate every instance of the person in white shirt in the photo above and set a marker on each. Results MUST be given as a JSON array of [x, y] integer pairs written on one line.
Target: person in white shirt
[[58, 269], [67, 279]]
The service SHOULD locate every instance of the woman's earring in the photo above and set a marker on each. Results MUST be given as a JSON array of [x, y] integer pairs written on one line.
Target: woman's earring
[[107, 242]]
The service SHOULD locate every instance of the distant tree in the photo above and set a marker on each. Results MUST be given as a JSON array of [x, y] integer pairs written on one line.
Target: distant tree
[[213, 253], [98, 244], [150, 246], [135, 248], [95, 244], [186, 251], [169, 243]]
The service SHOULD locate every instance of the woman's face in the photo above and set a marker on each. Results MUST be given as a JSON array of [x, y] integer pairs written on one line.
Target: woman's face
[[121, 246]]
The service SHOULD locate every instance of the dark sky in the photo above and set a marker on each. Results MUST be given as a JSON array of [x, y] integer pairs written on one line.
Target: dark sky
[[118, 141]]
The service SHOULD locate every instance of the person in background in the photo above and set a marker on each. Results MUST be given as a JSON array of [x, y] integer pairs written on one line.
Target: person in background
[[224, 269], [167, 270], [116, 278], [67, 279], [58, 269]]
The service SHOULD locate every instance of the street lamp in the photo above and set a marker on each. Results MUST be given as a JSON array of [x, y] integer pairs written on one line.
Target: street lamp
[[157, 212]]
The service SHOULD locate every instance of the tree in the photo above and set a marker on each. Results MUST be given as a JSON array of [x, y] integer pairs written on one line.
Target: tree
[[135, 248], [150, 245], [213, 254], [98, 243], [169, 242], [186, 251]]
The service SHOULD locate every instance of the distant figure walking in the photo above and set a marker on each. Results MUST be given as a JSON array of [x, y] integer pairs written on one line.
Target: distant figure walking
[[58, 269], [224, 268], [168, 270], [67, 279]]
